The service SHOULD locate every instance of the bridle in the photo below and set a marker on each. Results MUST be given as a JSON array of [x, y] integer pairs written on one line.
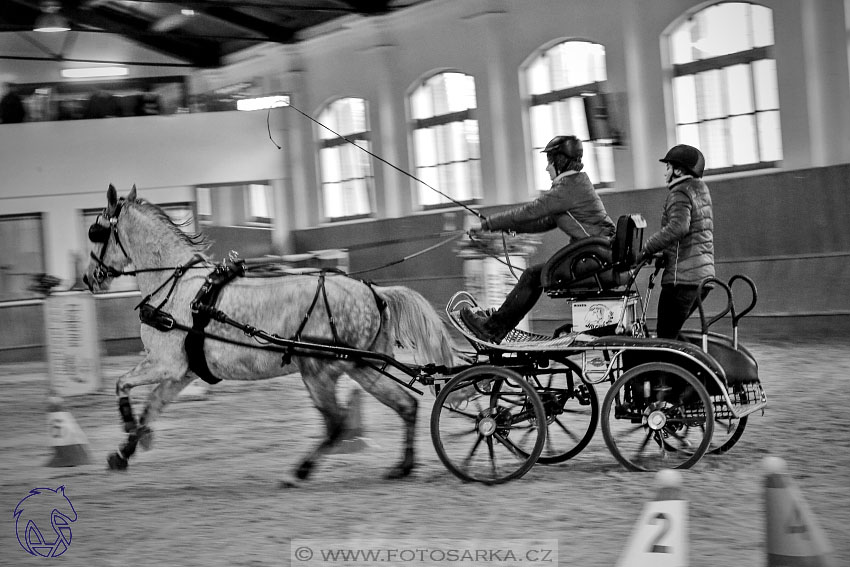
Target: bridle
[[100, 234]]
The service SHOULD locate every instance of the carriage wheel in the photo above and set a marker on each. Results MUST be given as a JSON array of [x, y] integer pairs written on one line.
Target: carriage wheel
[[727, 431], [657, 416], [572, 414], [485, 425]]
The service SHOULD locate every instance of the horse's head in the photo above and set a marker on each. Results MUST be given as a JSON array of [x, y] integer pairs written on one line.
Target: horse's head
[[107, 234]]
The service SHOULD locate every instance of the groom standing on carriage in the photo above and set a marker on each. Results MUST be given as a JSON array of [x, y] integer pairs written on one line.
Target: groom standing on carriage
[[571, 205]]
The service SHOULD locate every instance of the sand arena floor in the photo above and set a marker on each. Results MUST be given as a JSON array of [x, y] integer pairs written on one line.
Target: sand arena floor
[[207, 494]]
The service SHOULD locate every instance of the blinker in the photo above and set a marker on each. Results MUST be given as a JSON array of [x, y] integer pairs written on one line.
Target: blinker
[[99, 233]]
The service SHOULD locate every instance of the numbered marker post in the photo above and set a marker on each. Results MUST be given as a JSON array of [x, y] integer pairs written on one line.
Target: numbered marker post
[[660, 536], [794, 538], [70, 445]]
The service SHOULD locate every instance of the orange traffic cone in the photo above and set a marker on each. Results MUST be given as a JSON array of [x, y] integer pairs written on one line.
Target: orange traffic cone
[[794, 538], [70, 445], [352, 440], [660, 536]]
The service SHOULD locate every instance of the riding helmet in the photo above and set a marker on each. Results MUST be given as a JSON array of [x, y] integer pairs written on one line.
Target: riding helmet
[[568, 146], [686, 157]]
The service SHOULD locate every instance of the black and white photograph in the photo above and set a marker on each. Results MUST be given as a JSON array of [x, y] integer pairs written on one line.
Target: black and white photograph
[[425, 283]]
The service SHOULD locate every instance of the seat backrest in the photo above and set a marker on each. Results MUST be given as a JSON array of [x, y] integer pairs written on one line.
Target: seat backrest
[[577, 262], [628, 241]]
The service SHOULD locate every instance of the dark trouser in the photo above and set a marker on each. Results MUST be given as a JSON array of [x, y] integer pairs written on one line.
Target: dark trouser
[[520, 300], [675, 304]]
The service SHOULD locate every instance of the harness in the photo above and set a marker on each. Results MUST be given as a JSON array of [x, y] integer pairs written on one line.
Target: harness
[[204, 310]]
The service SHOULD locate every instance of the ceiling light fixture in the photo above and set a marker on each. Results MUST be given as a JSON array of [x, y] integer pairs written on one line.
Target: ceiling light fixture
[[262, 103], [90, 72], [50, 20]]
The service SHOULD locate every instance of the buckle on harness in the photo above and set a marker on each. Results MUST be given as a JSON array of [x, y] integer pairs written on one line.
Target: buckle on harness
[[153, 317]]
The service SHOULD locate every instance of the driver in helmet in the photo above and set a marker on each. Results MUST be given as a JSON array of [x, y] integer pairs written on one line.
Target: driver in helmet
[[685, 242], [571, 204]]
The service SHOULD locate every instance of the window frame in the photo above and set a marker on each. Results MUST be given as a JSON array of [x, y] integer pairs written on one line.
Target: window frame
[[338, 141], [444, 119], [579, 92], [721, 63]]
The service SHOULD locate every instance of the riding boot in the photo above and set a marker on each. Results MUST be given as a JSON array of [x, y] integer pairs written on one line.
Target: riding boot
[[516, 306]]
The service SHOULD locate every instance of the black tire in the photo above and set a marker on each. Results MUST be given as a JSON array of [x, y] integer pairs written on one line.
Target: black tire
[[657, 416], [493, 436], [727, 432], [572, 413]]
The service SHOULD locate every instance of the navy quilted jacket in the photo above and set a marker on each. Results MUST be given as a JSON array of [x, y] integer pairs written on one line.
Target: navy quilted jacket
[[571, 205], [686, 238]]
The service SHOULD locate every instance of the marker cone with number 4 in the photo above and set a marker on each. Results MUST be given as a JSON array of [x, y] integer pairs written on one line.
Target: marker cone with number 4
[[794, 538], [660, 536], [70, 445]]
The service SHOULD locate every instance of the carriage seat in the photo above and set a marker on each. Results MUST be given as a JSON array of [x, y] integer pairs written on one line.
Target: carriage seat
[[596, 264], [739, 364]]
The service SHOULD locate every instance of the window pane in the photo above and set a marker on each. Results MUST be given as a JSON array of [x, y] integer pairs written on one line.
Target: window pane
[[685, 99], [688, 134], [709, 97], [21, 256], [681, 46], [770, 137], [712, 137], [203, 201], [259, 201], [767, 92], [739, 91], [742, 136], [538, 77], [762, 19], [605, 155], [723, 29]]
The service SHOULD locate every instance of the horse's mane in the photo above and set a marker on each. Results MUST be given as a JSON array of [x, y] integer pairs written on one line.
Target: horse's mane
[[197, 240]]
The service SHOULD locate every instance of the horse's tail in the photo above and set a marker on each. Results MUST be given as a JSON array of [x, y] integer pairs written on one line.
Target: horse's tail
[[414, 324]]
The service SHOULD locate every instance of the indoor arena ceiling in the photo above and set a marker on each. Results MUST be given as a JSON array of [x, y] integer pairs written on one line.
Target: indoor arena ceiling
[[199, 32]]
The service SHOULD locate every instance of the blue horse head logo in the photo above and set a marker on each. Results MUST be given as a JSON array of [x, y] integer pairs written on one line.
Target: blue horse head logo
[[40, 504]]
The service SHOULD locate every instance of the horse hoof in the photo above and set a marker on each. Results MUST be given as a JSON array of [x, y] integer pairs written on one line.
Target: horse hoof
[[400, 471], [304, 470], [289, 482], [145, 435], [116, 462]]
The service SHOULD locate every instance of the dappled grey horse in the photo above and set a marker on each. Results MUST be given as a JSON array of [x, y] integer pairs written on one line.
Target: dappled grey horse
[[171, 268]]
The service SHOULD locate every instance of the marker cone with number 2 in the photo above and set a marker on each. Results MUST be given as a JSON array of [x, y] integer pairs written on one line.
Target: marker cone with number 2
[[660, 536], [70, 445], [794, 538]]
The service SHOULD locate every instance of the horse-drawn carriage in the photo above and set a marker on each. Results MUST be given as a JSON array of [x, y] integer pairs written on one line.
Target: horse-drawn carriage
[[531, 398]]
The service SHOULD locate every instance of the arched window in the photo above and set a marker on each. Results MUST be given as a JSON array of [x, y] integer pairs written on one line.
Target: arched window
[[725, 98], [445, 139], [558, 81], [346, 171]]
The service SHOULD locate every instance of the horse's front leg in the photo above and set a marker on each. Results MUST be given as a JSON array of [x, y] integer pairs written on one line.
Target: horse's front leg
[[146, 372]]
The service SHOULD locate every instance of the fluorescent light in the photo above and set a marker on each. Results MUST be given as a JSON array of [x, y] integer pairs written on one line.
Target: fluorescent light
[[187, 12], [89, 72], [263, 102], [50, 20]]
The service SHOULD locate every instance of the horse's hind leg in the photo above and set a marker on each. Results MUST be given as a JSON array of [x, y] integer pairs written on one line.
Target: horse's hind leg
[[146, 372], [405, 405]]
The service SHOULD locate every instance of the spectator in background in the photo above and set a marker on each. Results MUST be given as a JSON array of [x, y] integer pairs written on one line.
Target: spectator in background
[[12, 108]]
